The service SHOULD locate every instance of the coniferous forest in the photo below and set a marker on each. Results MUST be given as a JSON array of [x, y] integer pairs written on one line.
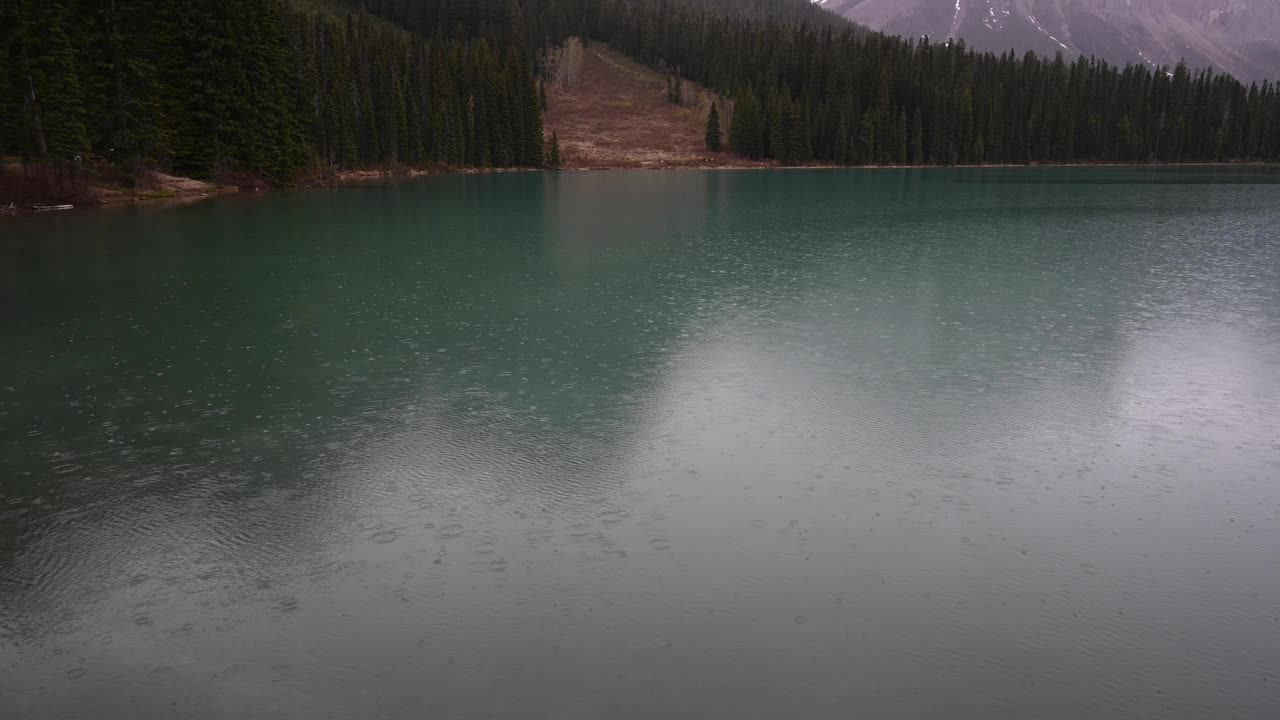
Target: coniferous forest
[[212, 87], [209, 87], [834, 93]]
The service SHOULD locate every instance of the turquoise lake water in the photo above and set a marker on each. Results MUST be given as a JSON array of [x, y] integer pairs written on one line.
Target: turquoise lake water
[[887, 444]]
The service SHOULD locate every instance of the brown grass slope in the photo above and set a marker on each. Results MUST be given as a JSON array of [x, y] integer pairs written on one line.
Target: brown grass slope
[[611, 112]]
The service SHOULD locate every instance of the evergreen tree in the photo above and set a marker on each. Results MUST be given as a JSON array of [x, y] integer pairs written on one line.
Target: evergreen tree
[[553, 152], [937, 140], [867, 138], [46, 77], [900, 135], [917, 139], [713, 130], [10, 108], [532, 114], [777, 112], [840, 146], [803, 134], [793, 151], [120, 80], [745, 131]]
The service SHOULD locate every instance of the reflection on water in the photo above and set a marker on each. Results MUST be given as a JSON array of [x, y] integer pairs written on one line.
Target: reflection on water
[[924, 443]]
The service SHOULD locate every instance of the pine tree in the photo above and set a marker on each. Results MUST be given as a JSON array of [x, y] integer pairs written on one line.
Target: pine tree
[[803, 133], [917, 139], [776, 114], [900, 134], [553, 152], [937, 142], [120, 81], [867, 138], [745, 131], [532, 113], [47, 78], [795, 136], [10, 109], [713, 141], [840, 147]]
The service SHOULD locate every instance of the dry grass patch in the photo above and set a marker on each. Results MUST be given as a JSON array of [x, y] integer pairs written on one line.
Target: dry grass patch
[[611, 112]]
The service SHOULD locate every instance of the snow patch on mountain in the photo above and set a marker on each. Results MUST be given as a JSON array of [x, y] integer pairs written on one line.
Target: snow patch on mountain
[[1237, 36]]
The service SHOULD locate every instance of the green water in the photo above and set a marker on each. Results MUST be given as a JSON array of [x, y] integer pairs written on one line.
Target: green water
[[810, 444]]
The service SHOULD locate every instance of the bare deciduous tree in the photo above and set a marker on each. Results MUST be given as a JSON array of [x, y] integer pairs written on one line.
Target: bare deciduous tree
[[564, 64]]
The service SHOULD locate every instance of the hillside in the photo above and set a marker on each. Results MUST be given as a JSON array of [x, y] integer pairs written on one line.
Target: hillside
[[611, 112]]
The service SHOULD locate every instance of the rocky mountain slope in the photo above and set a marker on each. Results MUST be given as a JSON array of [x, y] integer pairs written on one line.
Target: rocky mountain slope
[[1237, 36]]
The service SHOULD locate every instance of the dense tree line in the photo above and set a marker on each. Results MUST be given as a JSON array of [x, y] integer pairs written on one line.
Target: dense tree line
[[207, 87], [817, 90], [807, 85]]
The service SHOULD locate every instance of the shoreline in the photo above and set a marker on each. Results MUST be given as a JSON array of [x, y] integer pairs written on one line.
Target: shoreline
[[172, 188], [359, 176], [971, 166]]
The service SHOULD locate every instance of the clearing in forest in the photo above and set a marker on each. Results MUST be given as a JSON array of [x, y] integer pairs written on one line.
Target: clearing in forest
[[610, 112]]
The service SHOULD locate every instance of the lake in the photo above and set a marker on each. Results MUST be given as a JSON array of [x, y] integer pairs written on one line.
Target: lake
[[759, 444]]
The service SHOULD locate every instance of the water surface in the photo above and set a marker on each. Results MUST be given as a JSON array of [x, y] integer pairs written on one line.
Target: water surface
[[886, 444]]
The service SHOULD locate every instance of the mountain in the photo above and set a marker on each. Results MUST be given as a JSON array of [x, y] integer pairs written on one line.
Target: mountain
[[1241, 37]]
